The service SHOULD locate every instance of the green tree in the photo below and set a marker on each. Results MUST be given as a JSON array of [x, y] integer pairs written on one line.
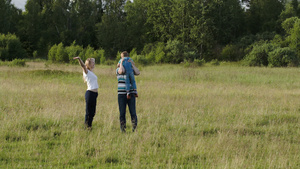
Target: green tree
[[87, 15], [111, 31], [138, 30], [10, 16], [31, 29], [159, 16], [292, 27], [263, 15], [11, 47]]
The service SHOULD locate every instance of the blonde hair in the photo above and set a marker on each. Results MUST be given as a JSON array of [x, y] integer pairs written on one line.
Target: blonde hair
[[88, 65], [88, 62]]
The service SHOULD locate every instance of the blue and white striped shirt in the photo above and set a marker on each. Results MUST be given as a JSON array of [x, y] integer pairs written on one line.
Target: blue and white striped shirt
[[121, 83]]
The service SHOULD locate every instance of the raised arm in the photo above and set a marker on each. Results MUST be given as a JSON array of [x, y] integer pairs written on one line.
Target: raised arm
[[82, 64], [121, 69]]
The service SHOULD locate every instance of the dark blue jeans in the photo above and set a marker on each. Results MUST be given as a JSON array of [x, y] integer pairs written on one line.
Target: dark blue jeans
[[90, 109], [123, 101]]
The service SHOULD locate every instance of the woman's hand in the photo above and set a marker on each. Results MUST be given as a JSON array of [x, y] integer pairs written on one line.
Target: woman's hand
[[76, 57]]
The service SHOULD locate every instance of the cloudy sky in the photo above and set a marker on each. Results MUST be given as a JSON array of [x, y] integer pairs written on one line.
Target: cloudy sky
[[19, 3]]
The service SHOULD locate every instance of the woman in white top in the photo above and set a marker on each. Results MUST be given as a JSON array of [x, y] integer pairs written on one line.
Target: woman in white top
[[92, 89]]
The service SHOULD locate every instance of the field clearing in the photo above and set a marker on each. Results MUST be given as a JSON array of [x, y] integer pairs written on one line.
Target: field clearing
[[208, 117]]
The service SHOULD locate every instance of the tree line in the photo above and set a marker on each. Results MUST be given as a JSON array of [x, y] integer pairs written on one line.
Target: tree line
[[168, 31]]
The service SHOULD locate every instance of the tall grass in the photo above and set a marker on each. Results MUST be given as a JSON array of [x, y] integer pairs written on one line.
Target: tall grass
[[208, 117]]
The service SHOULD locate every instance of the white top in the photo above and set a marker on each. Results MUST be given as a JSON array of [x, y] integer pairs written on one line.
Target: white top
[[91, 80]]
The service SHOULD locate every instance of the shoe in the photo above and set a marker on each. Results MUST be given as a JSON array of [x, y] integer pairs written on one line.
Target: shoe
[[128, 96]]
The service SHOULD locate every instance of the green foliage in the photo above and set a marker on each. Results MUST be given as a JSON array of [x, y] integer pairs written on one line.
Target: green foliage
[[231, 53], [174, 51], [73, 51], [177, 30], [52, 53], [288, 24], [61, 54], [199, 62], [10, 17], [154, 53], [11, 47], [259, 54], [3, 54], [150, 57], [215, 62], [283, 57], [89, 52], [140, 59], [35, 54], [159, 53], [99, 56], [263, 15], [291, 10], [195, 63], [18, 62]]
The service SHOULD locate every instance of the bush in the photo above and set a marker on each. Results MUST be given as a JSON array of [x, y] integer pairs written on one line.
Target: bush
[[52, 53], [283, 57], [89, 52], [199, 62], [35, 54], [61, 54], [18, 62], [3, 54], [159, 52], [231, 53], [195, 63], [215, 62], [99, 56], [259, 54], [141, 59], [150, 57], [58, 54], [73, 51], [11, 48], [174, 51]]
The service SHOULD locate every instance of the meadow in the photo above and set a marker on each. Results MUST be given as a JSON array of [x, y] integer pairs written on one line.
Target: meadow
[[225, 116]]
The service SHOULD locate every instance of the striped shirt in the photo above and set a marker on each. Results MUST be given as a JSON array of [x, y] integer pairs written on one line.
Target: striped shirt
[[121, 83]]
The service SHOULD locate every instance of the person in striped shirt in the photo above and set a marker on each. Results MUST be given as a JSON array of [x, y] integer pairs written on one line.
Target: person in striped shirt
[[123, 101], [127, 62]]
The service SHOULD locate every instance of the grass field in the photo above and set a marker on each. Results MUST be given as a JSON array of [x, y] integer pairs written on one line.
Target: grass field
[[208, 117]]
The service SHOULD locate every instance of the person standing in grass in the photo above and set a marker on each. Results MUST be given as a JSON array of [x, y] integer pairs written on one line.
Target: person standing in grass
[[130, 80], [123, 101], [92, 89]]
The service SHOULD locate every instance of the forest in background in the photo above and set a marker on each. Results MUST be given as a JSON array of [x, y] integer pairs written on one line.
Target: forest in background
[[259, 33]]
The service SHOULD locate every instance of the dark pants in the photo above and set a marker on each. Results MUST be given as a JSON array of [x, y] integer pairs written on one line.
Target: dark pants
[[91, 102], [123, 101]]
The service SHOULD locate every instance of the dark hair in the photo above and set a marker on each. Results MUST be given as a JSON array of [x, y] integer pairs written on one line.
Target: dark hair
[[125, 54]]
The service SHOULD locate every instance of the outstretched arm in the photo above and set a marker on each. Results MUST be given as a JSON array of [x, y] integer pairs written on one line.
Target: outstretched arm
[[81, 64]]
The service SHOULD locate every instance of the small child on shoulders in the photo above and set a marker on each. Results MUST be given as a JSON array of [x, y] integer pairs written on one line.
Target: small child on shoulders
[[130, 79]]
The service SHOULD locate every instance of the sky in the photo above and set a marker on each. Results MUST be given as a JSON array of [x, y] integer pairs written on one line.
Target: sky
[[19, 4]]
